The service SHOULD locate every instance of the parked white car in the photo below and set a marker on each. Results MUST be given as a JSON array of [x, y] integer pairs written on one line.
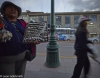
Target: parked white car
[[69, 37], [94, 39]]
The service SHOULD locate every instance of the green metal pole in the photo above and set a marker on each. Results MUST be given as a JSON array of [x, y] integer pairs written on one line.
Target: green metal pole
[[52, 57]]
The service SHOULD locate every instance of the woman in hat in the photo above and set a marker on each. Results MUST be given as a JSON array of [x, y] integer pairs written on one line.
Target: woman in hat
[[81, 48], [12, 53]]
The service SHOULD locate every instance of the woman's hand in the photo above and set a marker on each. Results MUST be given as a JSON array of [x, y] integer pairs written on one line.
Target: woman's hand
[[36, 42], [92, 43]]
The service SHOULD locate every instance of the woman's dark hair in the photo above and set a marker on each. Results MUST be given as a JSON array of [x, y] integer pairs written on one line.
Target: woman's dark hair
[[81, 27]]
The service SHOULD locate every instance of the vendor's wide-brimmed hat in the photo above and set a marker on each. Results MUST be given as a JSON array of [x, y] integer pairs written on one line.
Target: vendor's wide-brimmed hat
[[81, 19], [6, 3]]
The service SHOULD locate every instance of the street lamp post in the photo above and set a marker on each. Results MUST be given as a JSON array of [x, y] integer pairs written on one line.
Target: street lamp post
[[52, 57]]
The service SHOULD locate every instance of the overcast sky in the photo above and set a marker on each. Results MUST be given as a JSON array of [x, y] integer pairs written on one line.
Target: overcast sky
[[60, 5]]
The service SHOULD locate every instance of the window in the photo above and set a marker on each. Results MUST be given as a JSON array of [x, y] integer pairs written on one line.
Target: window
[[40, 19], [20, 17], [87, 16], [93, 18], [25, 18], [67, 22], [33, 19], [72, 31], [58, 21], [48, 19], [76, 21]]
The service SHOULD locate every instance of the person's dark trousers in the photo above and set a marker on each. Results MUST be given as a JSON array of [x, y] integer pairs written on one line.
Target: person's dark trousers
[[13, 69], [82, 61], [13, 66], [86, 66]]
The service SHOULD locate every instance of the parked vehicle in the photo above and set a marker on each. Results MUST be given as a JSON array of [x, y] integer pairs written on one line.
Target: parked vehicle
[[56, 36], [94, 39], [69, 37], [66, 37], [61, 37]]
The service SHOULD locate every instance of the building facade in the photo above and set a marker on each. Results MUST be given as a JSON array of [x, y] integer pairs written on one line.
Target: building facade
[[66, 19]]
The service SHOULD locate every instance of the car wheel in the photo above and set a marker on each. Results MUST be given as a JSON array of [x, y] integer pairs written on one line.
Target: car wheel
[[64, 39], [95, 40], [68, 39]]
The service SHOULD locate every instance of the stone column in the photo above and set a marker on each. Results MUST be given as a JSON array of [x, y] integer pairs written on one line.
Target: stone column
[[72, 21], [63, 21]]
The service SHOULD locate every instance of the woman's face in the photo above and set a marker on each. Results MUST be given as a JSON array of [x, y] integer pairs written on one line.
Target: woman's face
[[11, 11], [84, 23]]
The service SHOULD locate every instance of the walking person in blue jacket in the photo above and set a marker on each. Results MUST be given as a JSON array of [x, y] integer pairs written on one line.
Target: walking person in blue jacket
[[12, 52], [81, 49]]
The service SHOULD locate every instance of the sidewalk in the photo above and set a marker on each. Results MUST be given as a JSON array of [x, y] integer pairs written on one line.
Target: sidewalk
[[37, 69]]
